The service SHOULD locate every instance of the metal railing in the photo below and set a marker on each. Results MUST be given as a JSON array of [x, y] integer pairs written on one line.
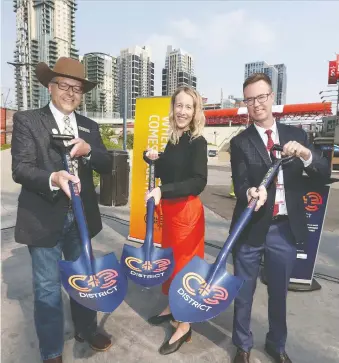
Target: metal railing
[[97, 114], [229, 137]]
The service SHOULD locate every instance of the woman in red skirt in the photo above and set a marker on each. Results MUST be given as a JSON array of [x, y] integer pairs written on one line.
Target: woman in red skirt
[[183, 173]]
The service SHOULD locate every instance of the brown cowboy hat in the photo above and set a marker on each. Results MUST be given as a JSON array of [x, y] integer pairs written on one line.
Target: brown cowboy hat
[[64, 67]]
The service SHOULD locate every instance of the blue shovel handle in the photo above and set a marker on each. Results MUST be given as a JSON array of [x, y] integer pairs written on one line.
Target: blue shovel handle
[[151, 176], [247, 213], [77, 205], [78, 210], [150, 206], [148, 243]]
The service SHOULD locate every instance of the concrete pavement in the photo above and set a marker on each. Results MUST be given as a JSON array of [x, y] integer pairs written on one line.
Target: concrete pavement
[[313, 318]]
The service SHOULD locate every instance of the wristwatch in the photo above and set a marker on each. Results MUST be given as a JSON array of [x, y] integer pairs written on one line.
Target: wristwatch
[[89, 154]]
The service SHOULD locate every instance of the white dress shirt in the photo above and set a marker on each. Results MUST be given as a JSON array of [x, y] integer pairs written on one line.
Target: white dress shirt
[[59, 118], [280, 193]]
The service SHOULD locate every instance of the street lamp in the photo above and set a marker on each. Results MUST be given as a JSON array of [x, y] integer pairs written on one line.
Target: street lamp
[[329, 96], [333, 100], [330, 90], [333, 97], [215, 138]]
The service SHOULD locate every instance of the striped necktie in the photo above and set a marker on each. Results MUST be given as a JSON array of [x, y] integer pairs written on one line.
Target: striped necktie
[[68, 130]]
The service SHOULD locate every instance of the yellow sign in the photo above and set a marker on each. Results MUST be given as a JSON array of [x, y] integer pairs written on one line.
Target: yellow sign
[[150, 131]]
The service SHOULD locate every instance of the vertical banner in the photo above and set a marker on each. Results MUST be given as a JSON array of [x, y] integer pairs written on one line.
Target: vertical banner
[[315, 201], [151, 128], [332, 72]]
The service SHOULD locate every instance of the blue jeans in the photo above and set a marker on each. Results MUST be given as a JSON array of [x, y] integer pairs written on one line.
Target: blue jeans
[[280, 255], [48, 310]]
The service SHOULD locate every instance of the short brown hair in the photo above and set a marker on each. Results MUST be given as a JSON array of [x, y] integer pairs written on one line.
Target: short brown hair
[[256, 77]]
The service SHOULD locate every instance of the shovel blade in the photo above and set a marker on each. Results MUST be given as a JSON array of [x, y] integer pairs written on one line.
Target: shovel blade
[[147, 273], [193, 300], [102, 291]]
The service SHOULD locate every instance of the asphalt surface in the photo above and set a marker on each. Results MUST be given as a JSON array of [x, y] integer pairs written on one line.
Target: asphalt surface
[[216, 197]]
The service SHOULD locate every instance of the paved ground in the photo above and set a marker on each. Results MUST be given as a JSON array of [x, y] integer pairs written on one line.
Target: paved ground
[[313, 318], [216, 196]]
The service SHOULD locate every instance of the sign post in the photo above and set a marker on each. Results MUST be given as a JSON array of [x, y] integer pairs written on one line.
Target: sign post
[[315, 201]]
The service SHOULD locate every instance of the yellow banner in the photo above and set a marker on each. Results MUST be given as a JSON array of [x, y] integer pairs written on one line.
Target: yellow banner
[[150, 131]]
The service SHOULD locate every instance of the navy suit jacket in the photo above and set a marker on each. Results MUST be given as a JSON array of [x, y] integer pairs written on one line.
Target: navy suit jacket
[[250, 161]]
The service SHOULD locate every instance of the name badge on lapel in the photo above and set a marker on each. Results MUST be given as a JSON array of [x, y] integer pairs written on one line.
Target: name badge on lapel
[[83, 129]]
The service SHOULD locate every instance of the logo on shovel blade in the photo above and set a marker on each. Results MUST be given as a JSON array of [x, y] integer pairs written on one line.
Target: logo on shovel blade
[[312, 201], [133, 262], [104, 279], [194, 285]]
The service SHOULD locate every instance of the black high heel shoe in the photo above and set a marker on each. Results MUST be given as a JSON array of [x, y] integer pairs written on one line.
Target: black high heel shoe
[[168, 348], [159, 319]]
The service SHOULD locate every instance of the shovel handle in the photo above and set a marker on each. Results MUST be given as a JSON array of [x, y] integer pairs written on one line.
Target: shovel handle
[[77, 205], [57, 141], [148, 160], [246, 214], [151, 163], [62, 137], [284, 159], [150, 205], [268, 179]]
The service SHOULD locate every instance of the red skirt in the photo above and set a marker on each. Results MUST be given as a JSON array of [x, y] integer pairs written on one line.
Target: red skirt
[[183, 229]]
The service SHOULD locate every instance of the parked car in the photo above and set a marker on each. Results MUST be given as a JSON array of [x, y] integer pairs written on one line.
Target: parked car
[[212, 153]]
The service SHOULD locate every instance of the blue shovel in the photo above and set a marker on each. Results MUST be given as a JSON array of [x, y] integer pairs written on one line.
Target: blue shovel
[[97, 283], [147, 265], [201, 291]]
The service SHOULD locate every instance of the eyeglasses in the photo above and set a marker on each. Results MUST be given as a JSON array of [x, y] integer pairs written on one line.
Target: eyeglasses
[[65, 87], [261, 99]]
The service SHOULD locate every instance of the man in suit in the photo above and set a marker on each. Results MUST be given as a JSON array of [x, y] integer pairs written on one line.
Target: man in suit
[[279, 224], [45, 220]]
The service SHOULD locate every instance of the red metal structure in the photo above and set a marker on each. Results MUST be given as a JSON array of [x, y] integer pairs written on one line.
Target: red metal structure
[[297, 112]]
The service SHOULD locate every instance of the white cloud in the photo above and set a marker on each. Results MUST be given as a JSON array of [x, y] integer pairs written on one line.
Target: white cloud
[[185, 28], [220, 33], [223, 31], [218, 38], [158, 45], [260, 33]]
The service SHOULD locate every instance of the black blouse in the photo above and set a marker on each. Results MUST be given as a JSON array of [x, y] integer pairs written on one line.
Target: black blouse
[[182, 168]]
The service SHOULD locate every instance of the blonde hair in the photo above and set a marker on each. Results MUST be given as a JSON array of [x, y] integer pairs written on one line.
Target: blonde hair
[[198, 120]]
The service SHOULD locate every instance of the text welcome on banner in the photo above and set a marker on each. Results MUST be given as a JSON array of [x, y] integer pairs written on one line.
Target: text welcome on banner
[[150, 131]]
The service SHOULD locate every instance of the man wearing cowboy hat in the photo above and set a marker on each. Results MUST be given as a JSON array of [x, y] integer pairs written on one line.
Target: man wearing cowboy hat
[[45, 221]]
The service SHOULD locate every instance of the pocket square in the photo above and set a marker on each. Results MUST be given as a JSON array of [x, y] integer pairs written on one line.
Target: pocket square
[[83, 129]]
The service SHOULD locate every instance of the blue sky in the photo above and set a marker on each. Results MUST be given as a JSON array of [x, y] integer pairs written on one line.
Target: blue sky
[[222, 36]]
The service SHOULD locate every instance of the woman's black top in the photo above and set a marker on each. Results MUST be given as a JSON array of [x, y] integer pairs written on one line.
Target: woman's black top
[[182, 168]]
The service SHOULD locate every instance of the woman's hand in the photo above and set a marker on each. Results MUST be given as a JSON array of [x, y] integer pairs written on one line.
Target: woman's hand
[[156, 194], [152, 154]]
